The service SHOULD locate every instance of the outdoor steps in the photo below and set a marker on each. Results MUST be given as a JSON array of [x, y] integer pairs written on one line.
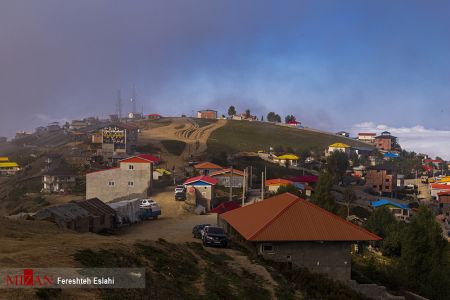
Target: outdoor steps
[[373, 291]]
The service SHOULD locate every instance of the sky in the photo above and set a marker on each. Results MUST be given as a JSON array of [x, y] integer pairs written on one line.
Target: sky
[[335, 65]]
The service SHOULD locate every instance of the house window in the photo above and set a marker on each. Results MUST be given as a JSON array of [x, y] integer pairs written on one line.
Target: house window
[[267, 248], [130, 183], [130, 167], [386, 187], [111, 183]]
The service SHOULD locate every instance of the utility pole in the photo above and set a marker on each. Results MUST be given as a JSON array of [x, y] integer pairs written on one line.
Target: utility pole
[[262, 186], [243, 187], [251, 177], [231, 183]]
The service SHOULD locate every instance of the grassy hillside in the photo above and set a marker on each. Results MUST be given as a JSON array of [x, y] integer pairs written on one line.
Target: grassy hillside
[[238, 136]]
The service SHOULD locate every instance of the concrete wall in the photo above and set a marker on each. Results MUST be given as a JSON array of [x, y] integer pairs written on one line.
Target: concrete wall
[[97, 183], [330, 258], [224, 180]]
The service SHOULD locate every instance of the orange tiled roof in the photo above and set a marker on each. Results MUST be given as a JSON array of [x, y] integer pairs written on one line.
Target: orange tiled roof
[[278, 181], [287, 217], [224, 171], [440, 186], [207, 165]]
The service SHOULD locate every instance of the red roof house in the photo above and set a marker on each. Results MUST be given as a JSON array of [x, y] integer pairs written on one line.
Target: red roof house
[[289, 229]]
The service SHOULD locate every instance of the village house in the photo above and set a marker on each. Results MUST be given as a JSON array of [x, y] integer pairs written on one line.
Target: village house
[[78, 124], [205, 168], [343, 133], [444, 202], [3, 139], [401, 212], [381, 179], [224, 177], [386, 141], [154, 116], [132, 179], [207, 114], [8, 168], [338, 147], [366, 137], [244, 116], [102, 216], [287, 159], [119, 138], [274, 184], [436, 188], [294, 123], [59, 180], [316, 239], [203, 188]]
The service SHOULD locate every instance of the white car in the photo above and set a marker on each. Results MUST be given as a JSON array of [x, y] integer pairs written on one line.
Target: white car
[[180, 189], [148, 203]]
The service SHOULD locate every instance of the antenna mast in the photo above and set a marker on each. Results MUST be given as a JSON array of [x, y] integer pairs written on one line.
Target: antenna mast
[[119, 104], [133, 99]]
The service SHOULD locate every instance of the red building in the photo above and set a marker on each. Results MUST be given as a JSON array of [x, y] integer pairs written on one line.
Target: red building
[[207, 114]]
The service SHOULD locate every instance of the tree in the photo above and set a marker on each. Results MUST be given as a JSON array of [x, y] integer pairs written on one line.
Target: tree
[[273, 117], [289, 118], [349, 197], [380, 221], [424, 250], [231, 111], [247, 113], [323, 196], [290, 188], [337, 165]]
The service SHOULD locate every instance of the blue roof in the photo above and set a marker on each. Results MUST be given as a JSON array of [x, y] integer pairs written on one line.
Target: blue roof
[[391, 155], [382, 202]]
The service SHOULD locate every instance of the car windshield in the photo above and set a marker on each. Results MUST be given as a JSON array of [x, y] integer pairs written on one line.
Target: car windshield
[[215, 230]]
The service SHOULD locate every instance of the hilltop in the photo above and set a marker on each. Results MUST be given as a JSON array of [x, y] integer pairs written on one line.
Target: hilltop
[[237, 136]]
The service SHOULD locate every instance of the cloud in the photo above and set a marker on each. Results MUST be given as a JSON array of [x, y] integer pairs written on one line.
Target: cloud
[[416, 138]]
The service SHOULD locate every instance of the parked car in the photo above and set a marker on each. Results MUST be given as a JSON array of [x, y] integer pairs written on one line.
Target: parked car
[[147, 203], [214, 236], [180, 196], [197, 230], [180, 189], [149, 209]]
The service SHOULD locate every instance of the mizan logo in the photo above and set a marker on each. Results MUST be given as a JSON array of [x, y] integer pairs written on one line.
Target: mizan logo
[[28, 279]]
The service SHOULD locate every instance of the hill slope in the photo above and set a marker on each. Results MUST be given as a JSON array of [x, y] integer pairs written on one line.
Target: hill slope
[[238, 136]]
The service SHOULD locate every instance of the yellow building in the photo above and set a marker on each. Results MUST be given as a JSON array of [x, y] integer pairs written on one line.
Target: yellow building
[[8, 168], [338, 147], [290, 159]]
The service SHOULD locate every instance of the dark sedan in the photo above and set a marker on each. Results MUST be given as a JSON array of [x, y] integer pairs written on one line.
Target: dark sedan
[[214, 236]]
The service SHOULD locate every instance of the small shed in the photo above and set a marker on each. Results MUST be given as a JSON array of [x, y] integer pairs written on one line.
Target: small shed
[[102, 215], [68, 215]]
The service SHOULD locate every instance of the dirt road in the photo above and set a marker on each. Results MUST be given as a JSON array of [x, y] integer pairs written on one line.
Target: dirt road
[[186, 130]]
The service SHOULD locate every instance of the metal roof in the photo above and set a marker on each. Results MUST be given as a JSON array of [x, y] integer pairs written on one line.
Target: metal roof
[[287, 217], [206, 179], [96, 207]]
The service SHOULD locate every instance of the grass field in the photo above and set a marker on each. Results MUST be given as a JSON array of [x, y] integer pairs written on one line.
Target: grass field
[[174, 147], [238, 136]]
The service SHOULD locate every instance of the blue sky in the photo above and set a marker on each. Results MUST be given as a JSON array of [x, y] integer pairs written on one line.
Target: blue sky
[[333, 64]]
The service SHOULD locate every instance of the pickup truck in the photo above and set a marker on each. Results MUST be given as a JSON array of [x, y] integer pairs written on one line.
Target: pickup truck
[[149, 209]]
